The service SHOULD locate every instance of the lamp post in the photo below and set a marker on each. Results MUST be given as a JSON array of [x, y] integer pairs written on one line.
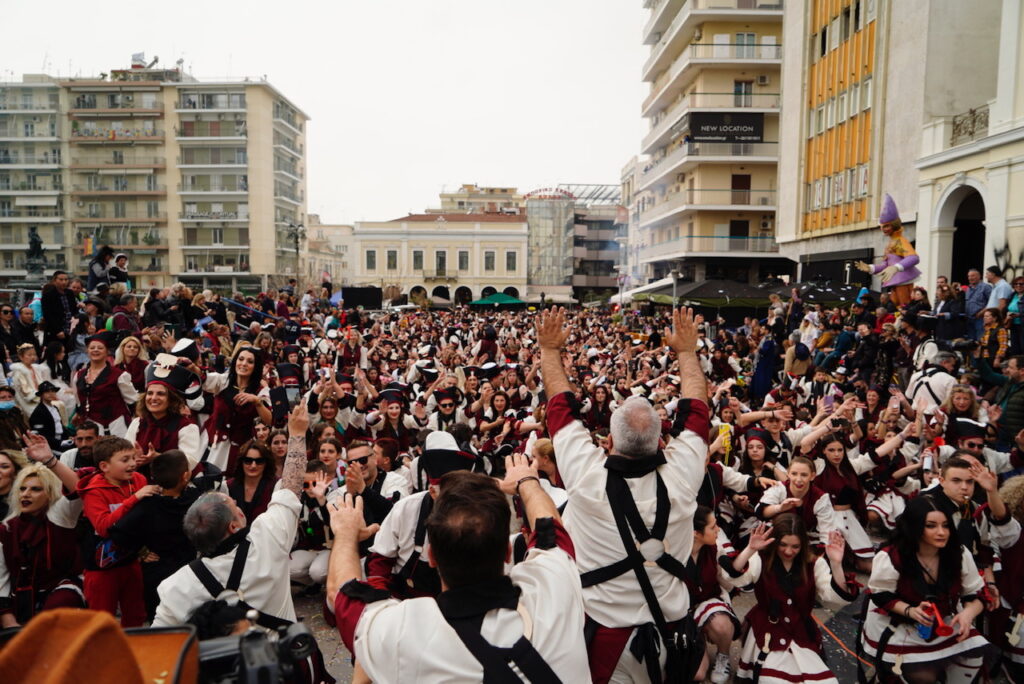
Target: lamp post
[[675, 277], [296, 233]]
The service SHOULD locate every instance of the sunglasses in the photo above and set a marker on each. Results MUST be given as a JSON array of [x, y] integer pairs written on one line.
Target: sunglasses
[[250, 461], [446, 405], [361, 461], [974, 445], [6, 311]]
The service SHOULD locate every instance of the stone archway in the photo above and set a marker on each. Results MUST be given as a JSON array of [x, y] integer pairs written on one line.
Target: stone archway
[[511, 291], [441, 291], [968, 236], [487, 292], [958, 241], [463, 295], [417, 294]]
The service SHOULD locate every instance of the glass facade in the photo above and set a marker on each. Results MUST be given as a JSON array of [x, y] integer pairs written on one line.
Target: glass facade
[[551, 240]]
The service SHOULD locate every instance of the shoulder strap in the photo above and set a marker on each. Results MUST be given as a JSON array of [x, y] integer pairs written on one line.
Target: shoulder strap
[[203, 574], [496, 661]]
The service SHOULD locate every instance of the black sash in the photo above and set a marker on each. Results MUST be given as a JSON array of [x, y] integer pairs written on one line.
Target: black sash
[[215, 588], [416, 575]]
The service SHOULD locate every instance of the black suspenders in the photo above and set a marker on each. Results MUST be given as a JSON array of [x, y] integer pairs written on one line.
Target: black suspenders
[[215, 588], [496, 661]]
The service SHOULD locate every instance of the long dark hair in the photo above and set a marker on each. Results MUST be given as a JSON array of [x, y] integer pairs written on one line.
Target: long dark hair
[[782, 526], [269, 467], [257, 371], [909, 532]]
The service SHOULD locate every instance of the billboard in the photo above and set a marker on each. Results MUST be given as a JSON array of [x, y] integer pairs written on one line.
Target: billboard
[[726, 127]]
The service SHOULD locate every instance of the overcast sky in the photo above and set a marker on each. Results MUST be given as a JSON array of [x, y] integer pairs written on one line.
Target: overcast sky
[[406, 97]]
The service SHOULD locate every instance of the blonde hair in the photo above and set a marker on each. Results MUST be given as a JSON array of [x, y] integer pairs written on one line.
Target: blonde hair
[[545, 447], [51, 485], [119, 354], [1012, 492], [947, 405]]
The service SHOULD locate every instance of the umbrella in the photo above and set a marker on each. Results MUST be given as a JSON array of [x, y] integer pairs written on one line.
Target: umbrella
[[499, 298]]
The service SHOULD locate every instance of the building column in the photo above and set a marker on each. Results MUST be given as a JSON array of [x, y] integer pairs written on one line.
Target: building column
[[939, 256], [995, 209], [1001, 113]]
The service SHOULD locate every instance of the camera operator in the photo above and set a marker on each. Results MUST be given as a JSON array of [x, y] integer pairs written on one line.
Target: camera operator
[[483, 622]]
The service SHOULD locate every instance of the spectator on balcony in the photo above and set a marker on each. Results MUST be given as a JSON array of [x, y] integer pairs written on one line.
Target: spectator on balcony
[[99, 268], [1013, 312]]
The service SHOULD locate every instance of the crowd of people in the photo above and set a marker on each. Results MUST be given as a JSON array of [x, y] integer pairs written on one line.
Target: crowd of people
[[542, 495]]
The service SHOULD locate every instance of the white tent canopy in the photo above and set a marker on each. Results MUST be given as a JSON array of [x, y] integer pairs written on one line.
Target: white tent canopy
[[628, 294]]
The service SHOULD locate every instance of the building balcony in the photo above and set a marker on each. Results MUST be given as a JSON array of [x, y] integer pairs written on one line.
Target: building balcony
[[191, 136], [110, 191], [11, 160], [116, 136], [588, 254], [197, 247], [688, 155], [37, 189], [31, 216], [32, 108], [187, 189], [107, 161], [579, 280], [212, 216], [709, 245], [287, 145], [449, 275], [684, 201], [232, 163], [677, 119], [289, 123], [21, 137], [89, 107], [697, 12], [295, 197], [700, 56], [107, 216], [189, 103], [662, 13], [293, 174]]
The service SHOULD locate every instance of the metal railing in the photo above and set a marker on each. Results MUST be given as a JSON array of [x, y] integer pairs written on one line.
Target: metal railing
[[187, 187], [86, 189], [20, 134], [294, 197], [107, 160], [212, 215], [210, 162], [711, 149], [289, 145], [749, 51], [29, 187], [115, 133], [224, 133], [32, 213], [85, 214], [34, 107], [739, 100], [971, 125], [710, 243], [15, 158], [191, 103], [90, 103]]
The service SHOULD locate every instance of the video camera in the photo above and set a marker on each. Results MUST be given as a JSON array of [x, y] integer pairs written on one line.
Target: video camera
[[255, 657]]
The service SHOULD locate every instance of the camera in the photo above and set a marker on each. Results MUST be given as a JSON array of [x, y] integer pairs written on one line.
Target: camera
[[255, 657]]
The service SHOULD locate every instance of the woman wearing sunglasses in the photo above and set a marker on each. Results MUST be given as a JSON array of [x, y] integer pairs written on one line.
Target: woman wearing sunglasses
[[253, 480]]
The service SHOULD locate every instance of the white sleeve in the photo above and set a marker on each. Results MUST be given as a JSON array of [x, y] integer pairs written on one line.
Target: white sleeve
[[862, 463], [133, 429], [215, 383], [827, 593], [276, 526], [395, 482], [971, 581], [734, 479], [1004, 536], [772, 496], [576, 453], [65, 512], [998, 461], [128, 391], [826, 517], [190, 443], [748, 577]]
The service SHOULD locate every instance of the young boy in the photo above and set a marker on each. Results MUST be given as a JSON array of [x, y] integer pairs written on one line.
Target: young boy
[[112, 577], [156, 525]]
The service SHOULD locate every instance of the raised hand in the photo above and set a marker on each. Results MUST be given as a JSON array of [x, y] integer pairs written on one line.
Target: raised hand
[[683, 336], [517, 466], [985, 478], [37, 448], [318, 490], [836, 546], [298, 420], [761, 537], [347, 521], [551, 330]]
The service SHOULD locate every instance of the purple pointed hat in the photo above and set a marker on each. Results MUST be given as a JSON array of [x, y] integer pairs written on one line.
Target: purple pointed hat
[[889, 211]]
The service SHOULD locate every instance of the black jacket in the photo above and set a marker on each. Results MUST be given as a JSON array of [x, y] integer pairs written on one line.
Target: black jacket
[[156, 523], [53, 311], [42, 422]]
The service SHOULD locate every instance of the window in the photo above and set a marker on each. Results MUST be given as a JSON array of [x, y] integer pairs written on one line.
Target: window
[[58, 234], [841, 108], [830, 113], [743, 93], [817, 194], [61, 260], [834, 33], [371, 260], [854, 100], [463, 260], [823, 42], [417, 260], [856, 16], [488, 261], [152, 209], [151, 182], [192, 263], [119, 211], [7, 234], [846, 24], [217, 236], [838, 188], [510, 262], [866, 94], [392, 260], [820, 119], [745, 45], [441, 262]]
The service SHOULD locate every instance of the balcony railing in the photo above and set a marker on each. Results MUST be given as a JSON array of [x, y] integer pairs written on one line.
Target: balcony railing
[[718, 244], [971, 125], [189, 102], [87, 190], [701, 197], [210, 162], [29, 187], [15, 158], [186, 187], [228, 133], [287, 194], [114, 134], [706, 149], [730, 100], [107, 160], [19, 134], [33, 107], [81, 103], [288, 145], [212, 216], [29, 214], [109, 215], [745, 51]]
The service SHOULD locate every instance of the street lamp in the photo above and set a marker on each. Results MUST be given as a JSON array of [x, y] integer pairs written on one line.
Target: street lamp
[[675, 276], [296, 233]]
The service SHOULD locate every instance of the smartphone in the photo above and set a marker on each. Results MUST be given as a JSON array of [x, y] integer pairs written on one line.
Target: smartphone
[[830, 402], [894, 402], [928, 462]]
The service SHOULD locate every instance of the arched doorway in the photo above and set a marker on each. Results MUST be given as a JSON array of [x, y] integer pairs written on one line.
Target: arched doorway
[[969, 237], [511, 292], [463, 295], [441, 291], [487, 292], [417, 294]]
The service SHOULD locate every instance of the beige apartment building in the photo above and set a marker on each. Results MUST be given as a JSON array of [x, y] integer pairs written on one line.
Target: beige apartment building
[[451, 256], [705, 196], [471, 198], [195, 181]]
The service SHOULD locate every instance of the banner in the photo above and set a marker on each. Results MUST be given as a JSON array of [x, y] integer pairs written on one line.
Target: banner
[[726, 127]]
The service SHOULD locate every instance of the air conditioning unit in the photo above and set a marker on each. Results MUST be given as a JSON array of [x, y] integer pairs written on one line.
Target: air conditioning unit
[[763, 80], [698, 34], [680, 177], [764, 201]]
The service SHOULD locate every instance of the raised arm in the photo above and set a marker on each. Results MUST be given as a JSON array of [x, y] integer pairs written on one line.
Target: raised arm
[[551, 336], [294, 470], [682, 339]]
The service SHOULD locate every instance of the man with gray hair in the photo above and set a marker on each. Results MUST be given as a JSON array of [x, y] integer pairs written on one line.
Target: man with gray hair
[[243, 561], [929, 387], [630, 515]]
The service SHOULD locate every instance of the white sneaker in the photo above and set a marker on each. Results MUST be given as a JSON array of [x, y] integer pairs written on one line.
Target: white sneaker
[[722, 671]]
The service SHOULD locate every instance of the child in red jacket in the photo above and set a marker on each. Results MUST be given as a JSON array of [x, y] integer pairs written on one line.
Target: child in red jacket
[[112, 578]]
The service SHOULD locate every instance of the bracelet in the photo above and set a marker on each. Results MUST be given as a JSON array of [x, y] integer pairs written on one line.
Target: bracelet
[[526, 479], [50, 463], [906, 611]]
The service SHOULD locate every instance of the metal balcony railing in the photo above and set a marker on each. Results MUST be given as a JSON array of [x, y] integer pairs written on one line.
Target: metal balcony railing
[[188, 187], [719, 244], [86, 189], [32, 107], [30, 213], [108, 160], [212, 215], [15, 158], [102, 104], [115, 133], [105, 213]]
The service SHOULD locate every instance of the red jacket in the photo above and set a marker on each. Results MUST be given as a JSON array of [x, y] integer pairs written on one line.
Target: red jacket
[[104, 503]]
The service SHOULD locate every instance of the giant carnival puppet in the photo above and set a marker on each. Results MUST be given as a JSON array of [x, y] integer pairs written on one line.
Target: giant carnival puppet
[[898, 268]]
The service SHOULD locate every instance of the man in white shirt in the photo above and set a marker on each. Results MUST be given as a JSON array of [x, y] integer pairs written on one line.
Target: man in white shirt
[[242, 563], [928, 388], [527, 625], [611, 497]]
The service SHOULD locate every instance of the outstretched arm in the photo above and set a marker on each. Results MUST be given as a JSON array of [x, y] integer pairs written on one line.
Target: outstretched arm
[[551, 336], [294, 470], [682, 339]]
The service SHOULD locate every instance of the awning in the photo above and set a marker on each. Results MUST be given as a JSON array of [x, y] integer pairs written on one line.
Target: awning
[[628, 295], [36, 201]]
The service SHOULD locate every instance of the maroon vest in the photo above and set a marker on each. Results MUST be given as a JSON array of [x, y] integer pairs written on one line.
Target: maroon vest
[[162, 434], [702, 576], [785, 602], [101, 401]]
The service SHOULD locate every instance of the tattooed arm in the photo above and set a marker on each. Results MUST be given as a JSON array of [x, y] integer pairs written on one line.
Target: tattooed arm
[[295, 462]]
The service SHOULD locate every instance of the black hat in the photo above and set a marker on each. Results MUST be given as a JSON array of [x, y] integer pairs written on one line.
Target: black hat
[[46, 386], [107, 337], [452, 393], [291, 349], [187, 348], [165, 370], [968, 429], [429, 374], [441, 455], [342, 379], [98, 302], [289, 371], [391, 396], [397, 386]]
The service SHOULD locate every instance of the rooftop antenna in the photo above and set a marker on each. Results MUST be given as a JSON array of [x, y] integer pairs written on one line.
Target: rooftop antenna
[[153, 63]]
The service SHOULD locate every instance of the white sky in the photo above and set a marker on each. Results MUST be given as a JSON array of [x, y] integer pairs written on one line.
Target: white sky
[[406, 96]]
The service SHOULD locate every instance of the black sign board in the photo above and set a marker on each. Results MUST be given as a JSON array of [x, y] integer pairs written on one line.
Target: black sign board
[[726, 127]]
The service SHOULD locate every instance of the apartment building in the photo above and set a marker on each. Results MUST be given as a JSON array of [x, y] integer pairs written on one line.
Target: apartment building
[[706, 193], [448, 256], [474, 199], [195, 181], [859, 77]]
